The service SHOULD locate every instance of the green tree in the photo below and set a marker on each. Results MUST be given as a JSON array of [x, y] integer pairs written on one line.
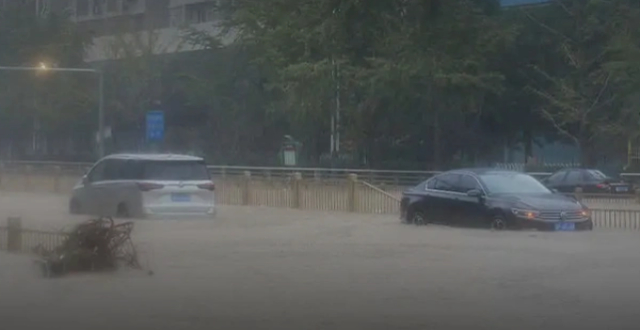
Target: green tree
[[225, 99], [137, 61], [393, 67], [435, 66], [623, 66], [580, 99]]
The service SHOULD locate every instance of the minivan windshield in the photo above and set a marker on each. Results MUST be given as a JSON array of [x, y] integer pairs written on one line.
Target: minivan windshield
[[175, 171], [512, 183]]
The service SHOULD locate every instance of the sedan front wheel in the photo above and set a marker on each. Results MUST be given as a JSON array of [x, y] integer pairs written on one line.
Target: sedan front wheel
[[498, 223], [419, 219]]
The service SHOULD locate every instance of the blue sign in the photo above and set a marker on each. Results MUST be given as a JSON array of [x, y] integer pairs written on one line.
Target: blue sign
[[155, 125]]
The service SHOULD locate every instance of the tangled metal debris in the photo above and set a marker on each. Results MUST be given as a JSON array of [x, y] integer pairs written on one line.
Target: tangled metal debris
[[94, 245]]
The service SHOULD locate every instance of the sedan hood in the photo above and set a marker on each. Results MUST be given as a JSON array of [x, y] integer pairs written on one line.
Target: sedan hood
[[545, 201]]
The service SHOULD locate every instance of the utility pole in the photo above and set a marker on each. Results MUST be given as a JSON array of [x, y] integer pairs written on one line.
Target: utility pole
[[335, 115], [337, 141]]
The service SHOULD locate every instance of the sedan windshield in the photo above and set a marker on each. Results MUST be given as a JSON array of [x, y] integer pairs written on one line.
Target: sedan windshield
[[512, 183], [597, 175]]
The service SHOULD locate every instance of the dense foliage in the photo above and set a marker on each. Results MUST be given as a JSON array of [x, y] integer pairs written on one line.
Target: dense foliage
[[429, 82]]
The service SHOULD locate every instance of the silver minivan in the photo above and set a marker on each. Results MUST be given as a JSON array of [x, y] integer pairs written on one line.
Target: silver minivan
[[145, 185]]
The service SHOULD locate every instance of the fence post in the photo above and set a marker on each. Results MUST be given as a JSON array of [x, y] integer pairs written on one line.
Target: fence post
[[246, 185], [57, 178], [353, 181], [297, 181], [578, 194], [14, 234]]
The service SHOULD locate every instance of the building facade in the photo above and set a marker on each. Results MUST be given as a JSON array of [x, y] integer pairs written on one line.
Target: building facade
[[167, 19], [150, 25], [105, 20]]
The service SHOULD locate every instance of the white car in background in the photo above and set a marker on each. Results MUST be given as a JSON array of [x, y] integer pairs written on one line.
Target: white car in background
[[145, 185]]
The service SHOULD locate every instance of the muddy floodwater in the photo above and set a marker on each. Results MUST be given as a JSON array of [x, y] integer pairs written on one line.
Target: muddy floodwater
[[265, 268]]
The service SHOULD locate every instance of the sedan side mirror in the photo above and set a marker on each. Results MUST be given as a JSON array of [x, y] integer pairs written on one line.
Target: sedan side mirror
[[85, 180], [555, 191], [474, 193]]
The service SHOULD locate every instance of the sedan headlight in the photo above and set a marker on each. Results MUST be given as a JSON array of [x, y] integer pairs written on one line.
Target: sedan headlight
[[526, 214]]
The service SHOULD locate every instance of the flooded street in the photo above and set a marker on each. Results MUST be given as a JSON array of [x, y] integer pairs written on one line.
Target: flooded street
[[264, 268]]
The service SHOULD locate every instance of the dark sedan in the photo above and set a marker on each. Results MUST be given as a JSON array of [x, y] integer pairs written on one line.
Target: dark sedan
[[496, 199], [591, 181]]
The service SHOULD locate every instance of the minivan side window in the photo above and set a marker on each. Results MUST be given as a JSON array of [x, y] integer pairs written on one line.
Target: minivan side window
[[97, 172], [132, 170], [113, 169]]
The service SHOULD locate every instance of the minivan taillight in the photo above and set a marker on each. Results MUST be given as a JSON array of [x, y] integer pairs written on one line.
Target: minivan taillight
[[147, 186], [207, 186]]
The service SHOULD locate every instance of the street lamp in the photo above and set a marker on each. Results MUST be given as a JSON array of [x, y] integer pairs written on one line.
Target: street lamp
[[44, 67]]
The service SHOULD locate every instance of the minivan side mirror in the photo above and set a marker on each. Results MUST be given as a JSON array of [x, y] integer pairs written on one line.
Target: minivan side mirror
[[474, 193]]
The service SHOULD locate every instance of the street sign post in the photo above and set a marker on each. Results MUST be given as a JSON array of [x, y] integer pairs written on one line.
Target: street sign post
[[155, 126], [155, 129]]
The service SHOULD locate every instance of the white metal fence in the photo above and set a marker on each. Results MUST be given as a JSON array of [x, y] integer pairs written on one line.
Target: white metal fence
[[347, 190]]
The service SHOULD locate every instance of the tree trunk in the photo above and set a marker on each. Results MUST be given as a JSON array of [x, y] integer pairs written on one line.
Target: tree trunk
[[587, 152]]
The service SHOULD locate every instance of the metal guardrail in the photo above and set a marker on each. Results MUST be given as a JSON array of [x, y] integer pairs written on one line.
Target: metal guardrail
[[376, 177], [616, 219], [46, 167], [631, 176], [45, 163]]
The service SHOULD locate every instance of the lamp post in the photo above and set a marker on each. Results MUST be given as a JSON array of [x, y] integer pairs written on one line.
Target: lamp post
[[43, 67]]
